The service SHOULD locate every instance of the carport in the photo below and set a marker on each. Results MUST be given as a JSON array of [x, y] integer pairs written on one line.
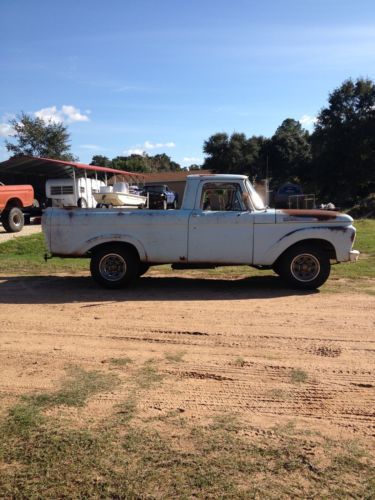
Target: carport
[[36, 171]]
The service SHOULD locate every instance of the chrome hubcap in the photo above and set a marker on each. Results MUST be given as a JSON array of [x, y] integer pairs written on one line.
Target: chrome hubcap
[[112, 267], [305, 267], [16, 220]]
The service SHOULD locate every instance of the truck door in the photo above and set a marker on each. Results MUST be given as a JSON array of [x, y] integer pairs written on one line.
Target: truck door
[[221, 228]]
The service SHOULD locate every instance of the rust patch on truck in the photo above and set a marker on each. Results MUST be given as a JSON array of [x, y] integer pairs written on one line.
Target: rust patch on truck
[[313, 214]]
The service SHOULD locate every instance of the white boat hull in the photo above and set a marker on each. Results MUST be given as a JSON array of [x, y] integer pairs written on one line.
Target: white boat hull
[[120, 199]]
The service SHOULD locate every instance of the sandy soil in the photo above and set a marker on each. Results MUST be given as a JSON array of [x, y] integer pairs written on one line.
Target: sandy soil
[[221, 345]]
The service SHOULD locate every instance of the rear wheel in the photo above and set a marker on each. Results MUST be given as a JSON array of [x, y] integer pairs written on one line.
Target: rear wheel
[[114, 266], [304, 266], [13, 220]]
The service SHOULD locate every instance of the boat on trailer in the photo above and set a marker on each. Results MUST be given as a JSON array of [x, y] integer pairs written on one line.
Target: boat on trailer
[[119, 195]]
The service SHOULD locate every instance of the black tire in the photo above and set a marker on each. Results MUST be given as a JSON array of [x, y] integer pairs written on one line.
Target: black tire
[[13, 220], [304, 266], [114, 266], [82, 203], [276, 267], [174, 205], [143, 268]]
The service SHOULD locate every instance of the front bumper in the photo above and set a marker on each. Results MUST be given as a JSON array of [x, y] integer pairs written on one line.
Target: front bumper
[[353, 255]]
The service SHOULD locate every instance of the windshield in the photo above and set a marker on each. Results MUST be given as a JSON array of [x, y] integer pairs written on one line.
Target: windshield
[[255, 198], [155, 189]]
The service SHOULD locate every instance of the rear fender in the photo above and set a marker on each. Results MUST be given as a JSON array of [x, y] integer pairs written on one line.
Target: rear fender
[[113, 238]]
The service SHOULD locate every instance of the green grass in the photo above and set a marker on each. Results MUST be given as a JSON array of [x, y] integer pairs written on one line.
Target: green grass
[[175, 357], [298, 376], [25, 255], [120, 361], [365, 243], [124, 456]]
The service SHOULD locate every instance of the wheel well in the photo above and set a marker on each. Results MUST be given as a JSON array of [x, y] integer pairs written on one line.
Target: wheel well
[[13, 202], [325, 245], [109, 244]]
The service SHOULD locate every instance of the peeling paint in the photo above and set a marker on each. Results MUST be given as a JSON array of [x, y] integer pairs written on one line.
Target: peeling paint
[[295, 214]]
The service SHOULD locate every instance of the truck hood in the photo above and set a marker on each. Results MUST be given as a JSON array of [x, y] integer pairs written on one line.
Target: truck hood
[[314, 216]]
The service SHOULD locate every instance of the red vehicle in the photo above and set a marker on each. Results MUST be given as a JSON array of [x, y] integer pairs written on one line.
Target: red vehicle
[[13, 199]]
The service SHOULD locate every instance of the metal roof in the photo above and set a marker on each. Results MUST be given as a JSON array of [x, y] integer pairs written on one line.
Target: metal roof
[[57, 168]]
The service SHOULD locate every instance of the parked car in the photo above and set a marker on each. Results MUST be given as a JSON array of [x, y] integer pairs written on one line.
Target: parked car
[[160, 196], [13, 199]]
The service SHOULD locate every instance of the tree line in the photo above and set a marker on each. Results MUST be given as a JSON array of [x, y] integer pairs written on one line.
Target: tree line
[[336, 161]]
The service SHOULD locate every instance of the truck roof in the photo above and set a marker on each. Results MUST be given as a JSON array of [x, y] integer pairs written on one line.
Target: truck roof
[[224, 177]]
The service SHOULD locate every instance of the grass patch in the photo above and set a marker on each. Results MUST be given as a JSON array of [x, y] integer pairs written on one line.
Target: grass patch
[[239, 362], [120, 361], [175, 357], [25, 254], [75, 390], [121, 460], [297, 376], [147, 376], [365, 243]]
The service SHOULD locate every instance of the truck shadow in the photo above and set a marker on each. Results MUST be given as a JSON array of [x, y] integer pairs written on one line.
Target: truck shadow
[[68, 289]]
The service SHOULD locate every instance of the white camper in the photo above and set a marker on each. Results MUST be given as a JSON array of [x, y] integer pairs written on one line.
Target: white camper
[[78, 192]]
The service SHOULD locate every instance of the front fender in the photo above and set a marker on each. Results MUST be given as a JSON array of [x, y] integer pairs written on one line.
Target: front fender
[[269, 245]]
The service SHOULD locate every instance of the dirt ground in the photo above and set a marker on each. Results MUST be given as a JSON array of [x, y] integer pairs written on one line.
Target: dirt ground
[[248, 347]]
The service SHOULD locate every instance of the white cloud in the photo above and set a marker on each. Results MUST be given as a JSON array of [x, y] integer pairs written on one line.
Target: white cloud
[[158, 145], [307, 120], [134, 151], [67, 114], [92, 147], [192, 159], [141, 149], [6, 130]]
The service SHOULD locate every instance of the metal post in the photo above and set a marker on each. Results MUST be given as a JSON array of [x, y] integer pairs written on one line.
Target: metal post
[[74, 186]]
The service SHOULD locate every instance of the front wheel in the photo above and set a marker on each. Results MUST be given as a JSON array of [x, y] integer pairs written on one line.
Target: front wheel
[[13, 220], [114, 266], [305, 267]]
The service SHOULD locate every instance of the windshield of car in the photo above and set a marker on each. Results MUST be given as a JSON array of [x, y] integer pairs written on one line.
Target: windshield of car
[[155, 189], [255, 198]]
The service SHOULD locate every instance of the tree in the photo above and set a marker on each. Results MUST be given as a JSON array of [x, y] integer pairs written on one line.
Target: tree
[[344, 143], [235, 154], [289, 152], [36, 138], [144, 163], [101, 161]]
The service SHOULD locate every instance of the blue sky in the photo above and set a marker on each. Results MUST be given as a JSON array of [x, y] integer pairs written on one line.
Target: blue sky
[[162, 76]]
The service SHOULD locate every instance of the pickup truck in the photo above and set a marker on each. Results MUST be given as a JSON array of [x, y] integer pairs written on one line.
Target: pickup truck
[[160, 196], [12, 200], [222, 221]]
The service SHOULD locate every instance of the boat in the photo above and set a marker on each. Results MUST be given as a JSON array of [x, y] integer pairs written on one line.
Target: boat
[[119, 195]]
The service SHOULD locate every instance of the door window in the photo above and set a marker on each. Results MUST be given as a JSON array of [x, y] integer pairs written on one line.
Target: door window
[[222, 197]]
